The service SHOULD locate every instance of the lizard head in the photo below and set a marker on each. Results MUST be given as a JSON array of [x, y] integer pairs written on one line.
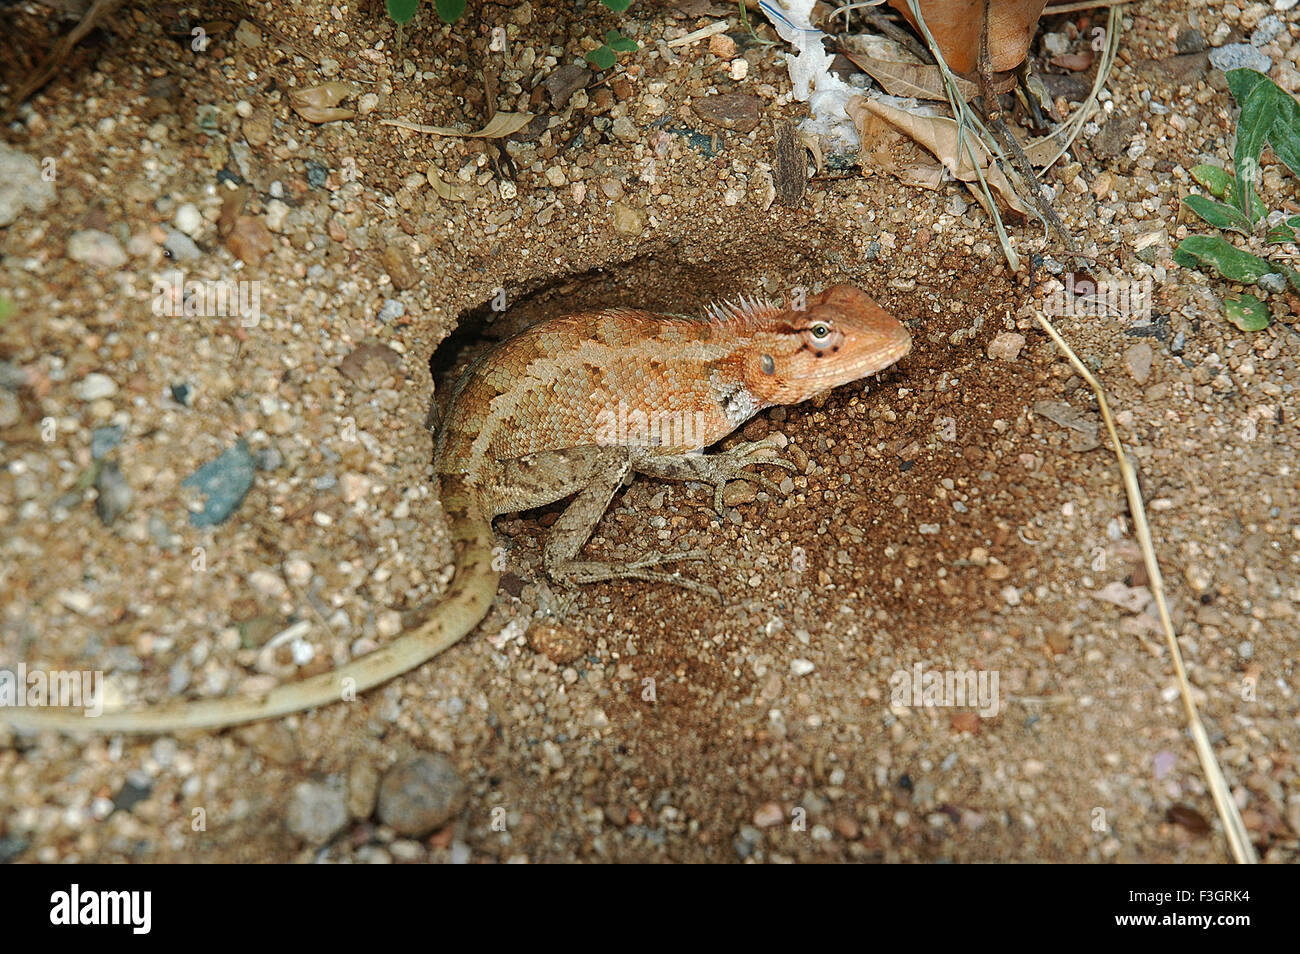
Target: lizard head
[[840, 335]]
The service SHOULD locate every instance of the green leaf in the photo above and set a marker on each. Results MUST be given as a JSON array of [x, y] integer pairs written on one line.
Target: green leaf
[[618, 6], [1216, 180], [1198, 251], [1253, 127], [401, 11], [1243, 83], [602, 58], [1218, 214], [617, 41], [449, 11], [1246, 312]]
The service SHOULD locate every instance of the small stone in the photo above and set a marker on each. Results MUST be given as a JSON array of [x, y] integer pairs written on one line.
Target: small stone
[[104, 439], [1266, 30], [737, 111], [1198, 577], [623, 128], [96, 248], [257, 128], [276, 213], [246, 34], [368, 103], [22, 185], [723, 46], [398, 265], [1006, 346], [802, 667], [225, 480], [11, 411], [627, 220], [249, 240], [114, 493], [1137, 359], [391, 311], [181, 247], [363, 788], [1190, 41], [420, 795], [768, 815], [94, 386], [560, 645], [316, 812], [968, 722], [181, 393], [1237, 56], [188, 219]]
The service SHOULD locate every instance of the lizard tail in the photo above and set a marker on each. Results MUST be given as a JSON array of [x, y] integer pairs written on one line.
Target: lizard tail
[[467, 602]]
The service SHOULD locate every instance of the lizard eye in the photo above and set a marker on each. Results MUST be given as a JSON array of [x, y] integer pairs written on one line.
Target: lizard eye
[[821, 336]]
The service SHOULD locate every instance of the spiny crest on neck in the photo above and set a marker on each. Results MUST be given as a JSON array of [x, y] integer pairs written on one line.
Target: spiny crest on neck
[[747, 311]]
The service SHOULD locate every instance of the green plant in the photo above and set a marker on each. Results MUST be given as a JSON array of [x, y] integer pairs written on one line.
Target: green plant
[[1269, 115], [604, 56]]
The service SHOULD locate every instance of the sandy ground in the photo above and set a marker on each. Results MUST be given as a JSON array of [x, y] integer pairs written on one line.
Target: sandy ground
[[941, 519]]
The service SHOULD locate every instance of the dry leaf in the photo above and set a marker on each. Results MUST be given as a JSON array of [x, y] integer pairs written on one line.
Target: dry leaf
[[883, 147], [939, 134], [323, 96], [500, 125], [909, 79], [320, 114], [447, 190], [956, 26]]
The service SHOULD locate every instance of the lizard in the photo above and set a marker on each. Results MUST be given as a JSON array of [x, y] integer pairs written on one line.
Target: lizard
[[574, 407]]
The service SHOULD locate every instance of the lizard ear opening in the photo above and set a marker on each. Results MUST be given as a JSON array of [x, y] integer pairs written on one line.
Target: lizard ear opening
[[767, 364]]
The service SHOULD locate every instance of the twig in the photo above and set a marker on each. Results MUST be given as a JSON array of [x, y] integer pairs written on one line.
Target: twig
[[59, 54], [1234, 828]]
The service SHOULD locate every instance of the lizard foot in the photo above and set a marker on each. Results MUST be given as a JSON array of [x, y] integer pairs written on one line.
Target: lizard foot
[[730, 465], [574, 572]]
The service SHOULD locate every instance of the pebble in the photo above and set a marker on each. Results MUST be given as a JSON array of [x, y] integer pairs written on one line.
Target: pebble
[[276, 213], [768, 815], [21, 185], [225, 481], [316, 812], [1266, 30], [1236, 56], [188, 219], [392, 310], [114, 493], [96, 248], [317, 173], [736, 111], [181, 247], [399, 268], [160, 533], [11, 411], [420, 795], [94, 386], [363, 788], [627, 220], [1006, 346], [801, 667], [559, 644], [181, 393], [104, 439], [1137, 359], [246, 34]]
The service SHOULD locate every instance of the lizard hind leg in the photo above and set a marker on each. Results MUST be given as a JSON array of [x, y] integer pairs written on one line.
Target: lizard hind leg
[[595, 473]]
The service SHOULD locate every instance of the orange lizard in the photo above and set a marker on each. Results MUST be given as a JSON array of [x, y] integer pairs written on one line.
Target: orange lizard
[[574, 406]]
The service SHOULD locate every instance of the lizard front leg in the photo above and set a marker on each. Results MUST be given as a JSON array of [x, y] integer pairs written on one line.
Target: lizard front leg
[[716, 469], [595, 473]]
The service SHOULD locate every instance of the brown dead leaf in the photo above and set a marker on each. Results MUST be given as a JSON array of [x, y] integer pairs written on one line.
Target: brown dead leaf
[[319, 114], [909, 79], [317, 103], [447, 190], [956, 26], [939, 134]]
